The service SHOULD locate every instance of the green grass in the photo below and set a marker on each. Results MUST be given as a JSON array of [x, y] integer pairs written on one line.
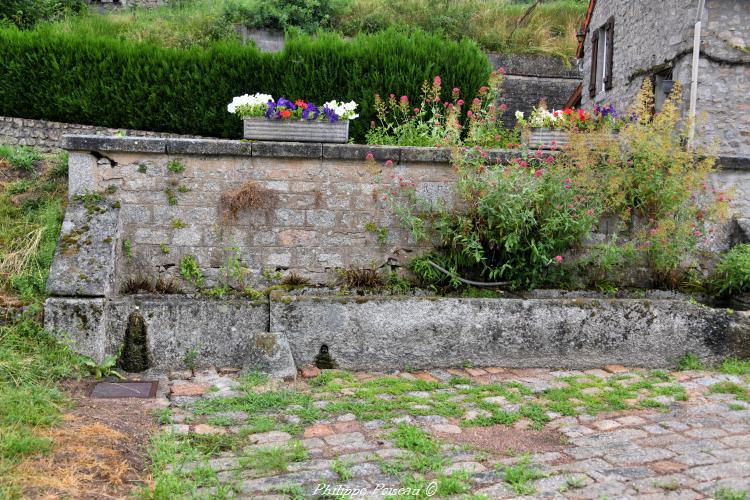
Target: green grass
[[31, 360], [520, 476], [730, 494], [274, 460], [498, 26]]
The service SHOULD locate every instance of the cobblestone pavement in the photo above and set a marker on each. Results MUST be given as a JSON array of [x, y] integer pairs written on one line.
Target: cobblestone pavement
[[474, 433]]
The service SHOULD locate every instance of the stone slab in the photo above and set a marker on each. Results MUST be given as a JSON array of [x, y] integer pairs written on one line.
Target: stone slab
[[378, 333], [84, 261]]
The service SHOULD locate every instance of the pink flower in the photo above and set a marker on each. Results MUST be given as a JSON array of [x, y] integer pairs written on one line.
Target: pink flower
[[392, 96], [503, 106], [438, 80], [589, 212], [370, 156], [697, 233], [497, 138], [523, 164], [460, 102], [570, 206], [653, 232], [404, 99], [456, 90], [558, 259], [389, 163], [483, 89], [550, 160], [538, 173], [416, 110], [476, 101], [469, 113], [501, 70]]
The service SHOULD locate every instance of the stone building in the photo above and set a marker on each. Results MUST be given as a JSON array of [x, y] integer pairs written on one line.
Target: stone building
[[623, 42]]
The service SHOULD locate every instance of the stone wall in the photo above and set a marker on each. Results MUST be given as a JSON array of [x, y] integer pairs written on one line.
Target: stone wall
[[310, 208], [651, 36], [47, 135], [531, 78]]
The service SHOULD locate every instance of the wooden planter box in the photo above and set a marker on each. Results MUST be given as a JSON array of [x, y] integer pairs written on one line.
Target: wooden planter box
[[263, 129], [544, 138]]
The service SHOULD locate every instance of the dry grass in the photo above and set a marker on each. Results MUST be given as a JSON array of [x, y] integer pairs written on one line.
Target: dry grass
[[361, 278], [17, 257], [84, 464], [294, 279], [248, 196]]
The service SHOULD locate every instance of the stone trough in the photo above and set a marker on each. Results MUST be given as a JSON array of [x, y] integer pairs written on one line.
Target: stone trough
[[140, 206]]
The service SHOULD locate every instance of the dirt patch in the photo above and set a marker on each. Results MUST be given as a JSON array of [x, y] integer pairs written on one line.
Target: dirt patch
[[501, 438], [100, 449]]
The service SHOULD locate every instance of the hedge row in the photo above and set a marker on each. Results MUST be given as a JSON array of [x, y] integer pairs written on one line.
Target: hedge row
[[45, 75]]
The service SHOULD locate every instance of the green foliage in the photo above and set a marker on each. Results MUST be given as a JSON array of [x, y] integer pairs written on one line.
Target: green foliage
[[522, 223], [104, 369], [175, 166], [412, 438], [29, 227], [191, 271], [732, 274], [306, 15], [520, 476], [148, 86], [26, 13], [690, 362], [20, 157], [437, 120], [730, 494]]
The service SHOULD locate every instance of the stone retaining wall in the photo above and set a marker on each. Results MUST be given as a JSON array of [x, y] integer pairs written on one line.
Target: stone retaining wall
[[47, 135], [390, 333]]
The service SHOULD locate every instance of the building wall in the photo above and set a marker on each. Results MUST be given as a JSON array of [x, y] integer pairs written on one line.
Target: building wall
[[649, 35]]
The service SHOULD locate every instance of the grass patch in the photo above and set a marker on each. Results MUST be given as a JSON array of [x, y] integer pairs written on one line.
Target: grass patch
[[269, 460], [520, 476], [731, 388], [412, 438]]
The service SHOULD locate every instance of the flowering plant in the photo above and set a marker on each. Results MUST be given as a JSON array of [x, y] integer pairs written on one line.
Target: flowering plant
[[572, 119], [258, 105], [437, 122]]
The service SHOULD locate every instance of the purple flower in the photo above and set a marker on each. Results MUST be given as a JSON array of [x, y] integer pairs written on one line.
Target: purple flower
[[285, 103], [311, 109], [332, 116]]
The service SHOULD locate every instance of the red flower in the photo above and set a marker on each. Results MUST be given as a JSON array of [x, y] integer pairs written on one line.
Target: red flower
[[538, 173], [302, 104], [285, 113]]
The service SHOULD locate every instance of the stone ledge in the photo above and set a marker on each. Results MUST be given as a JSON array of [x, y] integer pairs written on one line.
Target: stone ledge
[[267, 149], [74, 142]]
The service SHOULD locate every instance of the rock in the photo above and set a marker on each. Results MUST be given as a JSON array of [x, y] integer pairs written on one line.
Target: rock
[[309, 371], [318, 430], [203, 429], [180, 375], [446, 429], [190, 389]]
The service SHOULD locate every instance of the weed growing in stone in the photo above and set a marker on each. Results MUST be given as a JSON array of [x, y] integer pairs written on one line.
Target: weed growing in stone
[[520, 475], [175, 166], [191, 272]]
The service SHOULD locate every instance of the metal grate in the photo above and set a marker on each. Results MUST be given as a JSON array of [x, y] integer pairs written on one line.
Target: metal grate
[[125, 389]]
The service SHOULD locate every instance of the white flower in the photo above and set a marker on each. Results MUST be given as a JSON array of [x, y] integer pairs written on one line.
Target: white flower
[[519, 115], [344, 110], [257, 99]]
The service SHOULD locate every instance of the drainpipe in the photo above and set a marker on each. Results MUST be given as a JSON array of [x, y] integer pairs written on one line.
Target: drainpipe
[[694, 77]]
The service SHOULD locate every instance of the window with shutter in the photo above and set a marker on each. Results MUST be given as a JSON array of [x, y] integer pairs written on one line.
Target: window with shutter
[[609, 31], [594, 60]]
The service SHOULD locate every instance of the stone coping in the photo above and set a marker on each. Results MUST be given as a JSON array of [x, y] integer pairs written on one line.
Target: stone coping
[[322, 151], [262, 149]]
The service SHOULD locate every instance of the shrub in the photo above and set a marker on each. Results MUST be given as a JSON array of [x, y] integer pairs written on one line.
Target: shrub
[[306, 15], [26, 13], [187, 91], [732, 274], [435, 121], [523, 222]]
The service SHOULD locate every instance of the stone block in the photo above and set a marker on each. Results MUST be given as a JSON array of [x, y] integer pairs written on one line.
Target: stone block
[[208, 147], [287, 149], [84, 260], [368, 333], [107, 143], [79, 321], [81, 178], [358, 152]]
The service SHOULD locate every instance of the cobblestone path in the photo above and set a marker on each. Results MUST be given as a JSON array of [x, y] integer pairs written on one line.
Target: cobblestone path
[[472, 433]]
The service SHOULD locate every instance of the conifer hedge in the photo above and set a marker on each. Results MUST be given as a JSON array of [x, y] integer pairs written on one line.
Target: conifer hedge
[[96, 81]]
